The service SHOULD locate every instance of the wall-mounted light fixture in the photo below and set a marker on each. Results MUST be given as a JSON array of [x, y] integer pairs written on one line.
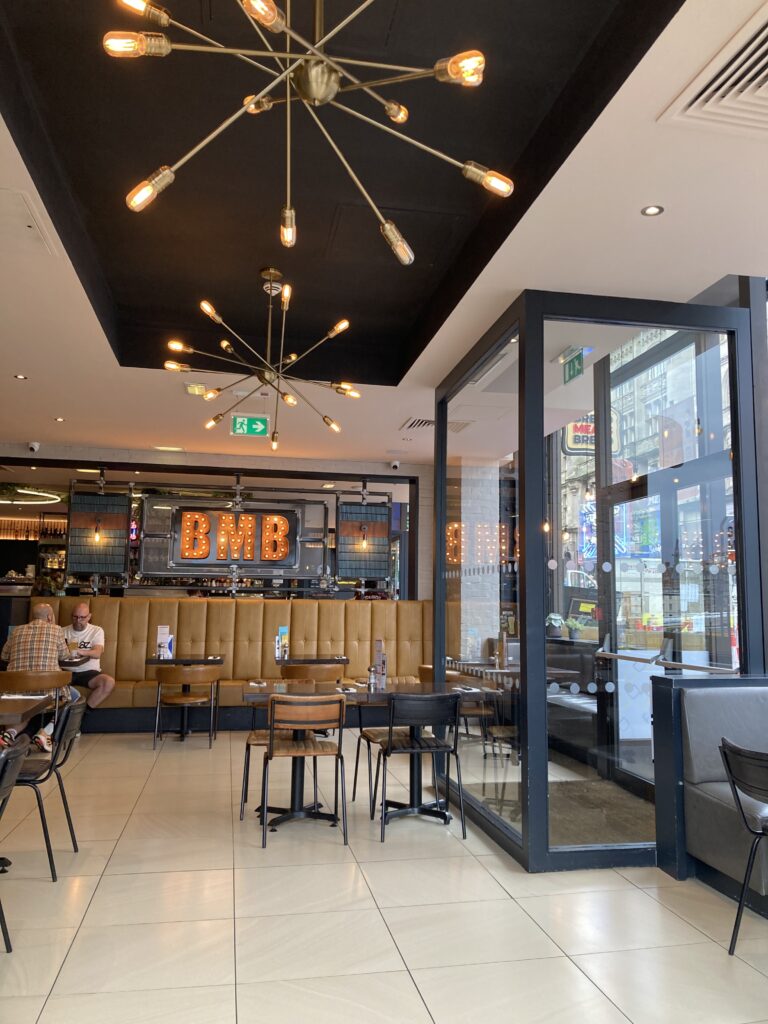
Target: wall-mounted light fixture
[[97, 532]]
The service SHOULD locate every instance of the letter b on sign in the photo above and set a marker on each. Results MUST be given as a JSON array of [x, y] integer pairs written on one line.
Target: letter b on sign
[[274, 538]]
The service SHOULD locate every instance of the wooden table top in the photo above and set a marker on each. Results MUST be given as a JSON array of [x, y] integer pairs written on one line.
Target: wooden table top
[[19, 710]]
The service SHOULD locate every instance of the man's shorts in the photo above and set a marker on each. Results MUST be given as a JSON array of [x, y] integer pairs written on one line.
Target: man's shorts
[[84, 678]]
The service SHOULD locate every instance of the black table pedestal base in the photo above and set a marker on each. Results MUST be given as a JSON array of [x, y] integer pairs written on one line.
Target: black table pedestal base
[[397, 809]]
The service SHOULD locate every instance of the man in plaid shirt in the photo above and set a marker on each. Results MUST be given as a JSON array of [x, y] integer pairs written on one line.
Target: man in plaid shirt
[[35, 647]]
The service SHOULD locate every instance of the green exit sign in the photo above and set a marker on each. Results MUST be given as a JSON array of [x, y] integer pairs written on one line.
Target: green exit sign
[[249, 426], [573, 367]]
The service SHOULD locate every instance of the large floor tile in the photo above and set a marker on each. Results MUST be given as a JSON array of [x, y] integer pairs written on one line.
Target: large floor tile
[[467, 933], [596, 922], [206, 853], [31, 861], [21, 1009], [81, 785], [314, 945], [519, 882], [697, 984], [709, 910], [365, 999], [170, 825], [88, 827], [41, 903], [37, 956], [534, 991], [125, 958], [166, 896], [308, 889], [161, 1006], [406, 839], [648, 878], [103, 802], [183, 803], [752, 951], [416, 882], [300, 842]]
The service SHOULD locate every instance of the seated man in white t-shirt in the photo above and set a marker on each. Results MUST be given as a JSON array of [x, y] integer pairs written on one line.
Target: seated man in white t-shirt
[[89, 640]]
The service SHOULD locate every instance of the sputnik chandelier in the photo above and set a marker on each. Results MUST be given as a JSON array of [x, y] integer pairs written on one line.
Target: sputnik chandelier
[[267, 370], [312, 77]]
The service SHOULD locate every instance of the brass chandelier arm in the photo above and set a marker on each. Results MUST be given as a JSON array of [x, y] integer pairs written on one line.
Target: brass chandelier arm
[[253, 351], [310, 349], [261, 34], [265, 91], [398, 135], [343, 23], [331, 62], [218, 47], [240, 401], [304, 398], [233, 384], [345, 163], [393, 80], [245, 54], [224, 359]]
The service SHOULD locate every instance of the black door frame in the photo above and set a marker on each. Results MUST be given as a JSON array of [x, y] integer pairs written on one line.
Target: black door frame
[[526, 318]]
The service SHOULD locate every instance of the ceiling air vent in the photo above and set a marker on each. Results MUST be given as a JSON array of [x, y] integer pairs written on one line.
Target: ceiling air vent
[[412, 425], [731, 92]]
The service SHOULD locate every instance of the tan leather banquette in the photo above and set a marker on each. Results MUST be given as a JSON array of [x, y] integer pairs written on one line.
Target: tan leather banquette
[[243, 632]]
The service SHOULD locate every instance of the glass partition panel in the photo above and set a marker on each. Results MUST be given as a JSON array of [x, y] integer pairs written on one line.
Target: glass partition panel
[[481, 610], [641, 557]]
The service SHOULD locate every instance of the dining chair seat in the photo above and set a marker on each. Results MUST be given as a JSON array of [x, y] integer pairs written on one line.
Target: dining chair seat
[[180, 699], [310, 746]]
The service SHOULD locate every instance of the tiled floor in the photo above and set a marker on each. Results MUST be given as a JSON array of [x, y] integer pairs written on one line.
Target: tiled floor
[[172, 911]]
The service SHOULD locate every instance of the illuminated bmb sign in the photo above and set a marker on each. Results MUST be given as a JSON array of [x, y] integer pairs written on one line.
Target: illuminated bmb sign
[[218, 537]]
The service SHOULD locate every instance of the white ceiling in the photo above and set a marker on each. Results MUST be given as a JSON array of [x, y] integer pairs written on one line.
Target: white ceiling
[[583, 234]]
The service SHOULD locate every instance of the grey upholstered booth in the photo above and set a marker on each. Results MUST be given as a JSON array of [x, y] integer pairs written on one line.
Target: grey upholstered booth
[[714, 831]]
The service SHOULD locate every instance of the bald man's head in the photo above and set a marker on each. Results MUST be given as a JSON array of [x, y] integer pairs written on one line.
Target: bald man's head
[[42, 613], [81, 616]]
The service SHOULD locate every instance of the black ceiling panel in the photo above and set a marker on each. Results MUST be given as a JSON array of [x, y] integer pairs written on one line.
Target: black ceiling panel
[[90, 127]]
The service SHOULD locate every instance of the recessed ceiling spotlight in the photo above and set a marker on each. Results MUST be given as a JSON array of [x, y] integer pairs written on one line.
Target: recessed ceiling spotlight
[[33, 467], [328, 487], [136, 472], [59, 419], [20, 376], [88, 471], [167, 448], [652, 211]]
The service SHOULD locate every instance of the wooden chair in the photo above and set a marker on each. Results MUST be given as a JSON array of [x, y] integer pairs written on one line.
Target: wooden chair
[[304, 715], [11, 760], [260, 737], [187, 676]]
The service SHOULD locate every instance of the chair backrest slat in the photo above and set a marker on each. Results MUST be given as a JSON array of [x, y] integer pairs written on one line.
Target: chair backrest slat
[[747, 770], [11, 760], [33, 682], [433, 709], [288, 712], [188, 675]]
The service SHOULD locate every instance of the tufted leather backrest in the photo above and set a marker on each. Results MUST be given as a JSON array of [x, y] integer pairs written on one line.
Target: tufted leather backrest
[[243, 632]]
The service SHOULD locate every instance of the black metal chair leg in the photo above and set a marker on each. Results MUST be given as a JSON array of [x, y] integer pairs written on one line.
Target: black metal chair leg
[[46, 836], [375, 788], [447, 784], [210, 723], [744, 891], [357, 761], [461, 798], [336, 792], [344, 801], [157, 720], [314, 791], [65, 802], [434, 778], [370, 781], [383, 798], [246, 773], [6, 933], [264, 795]]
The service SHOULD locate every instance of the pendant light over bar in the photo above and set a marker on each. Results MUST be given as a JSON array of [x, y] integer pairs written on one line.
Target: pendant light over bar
[[263, 370], [312, 77]]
